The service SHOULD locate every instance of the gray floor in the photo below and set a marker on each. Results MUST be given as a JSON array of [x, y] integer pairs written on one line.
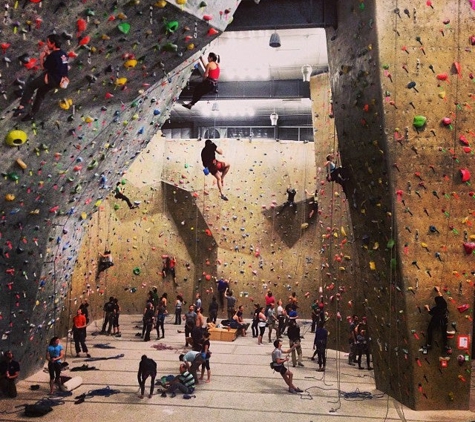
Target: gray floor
[[242, 387]]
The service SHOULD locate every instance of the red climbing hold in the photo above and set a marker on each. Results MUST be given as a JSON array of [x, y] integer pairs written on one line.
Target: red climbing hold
[[469, 247], [465, 174], [81, 25]]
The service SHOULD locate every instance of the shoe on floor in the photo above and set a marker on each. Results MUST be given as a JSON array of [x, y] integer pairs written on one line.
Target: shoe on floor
[[88, 355], [292, 391], [172, 395], [298, 390], [188, 106], [164, 394]]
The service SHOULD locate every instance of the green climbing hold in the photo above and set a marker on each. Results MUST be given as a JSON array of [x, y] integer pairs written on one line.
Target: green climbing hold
[[390, 244], [393, 263], [419, 121], [124, 27], [170, 47], [116, 207], [203, 4], [136, 271], [171, 27], [13, 176]]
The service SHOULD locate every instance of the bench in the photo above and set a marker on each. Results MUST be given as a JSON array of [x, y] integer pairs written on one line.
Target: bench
[[222, 334]]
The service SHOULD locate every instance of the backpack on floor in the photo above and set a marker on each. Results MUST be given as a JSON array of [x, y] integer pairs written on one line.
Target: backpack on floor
[[37, 410]]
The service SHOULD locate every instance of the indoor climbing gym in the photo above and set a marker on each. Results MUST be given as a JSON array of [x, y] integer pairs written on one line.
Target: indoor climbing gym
[[261, 207]]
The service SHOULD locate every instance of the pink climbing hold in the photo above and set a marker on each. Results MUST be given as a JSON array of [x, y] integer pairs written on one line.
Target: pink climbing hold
[[472, 3], [447, 121], [465, 174]]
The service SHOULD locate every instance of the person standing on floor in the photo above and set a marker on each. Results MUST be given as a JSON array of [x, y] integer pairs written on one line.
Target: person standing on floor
[[261, 325], [108, 316], [271, 321], [353, 322], [362, 347], [231, 304], [190, 322], [115, 319], [210, 80], [269, 298], [197, 301], [320, 346], [178, 308], [293, 332], [206, 354], [54, 356], [147, 368], [79, 333], [9, 371], [255, 320], [281, 316], [213, 310], [160, 315], [148, 320]]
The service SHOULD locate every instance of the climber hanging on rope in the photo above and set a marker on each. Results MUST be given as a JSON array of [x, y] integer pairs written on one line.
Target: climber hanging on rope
[[218, 169], [334, 173]]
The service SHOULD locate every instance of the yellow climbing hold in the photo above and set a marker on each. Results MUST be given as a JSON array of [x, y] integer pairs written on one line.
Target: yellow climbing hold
[[15, 138], [65, 103], [130, 64], [372, 265], [304, 226], [190, 46], [376, 246], [181, 2], [442, 94], [343, 232], [160, 3], [83, 215], [88, 119], [9, 197], [121, 81]]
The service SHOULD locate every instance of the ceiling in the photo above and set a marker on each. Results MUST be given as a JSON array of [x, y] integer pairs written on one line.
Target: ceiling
[[247, 58]]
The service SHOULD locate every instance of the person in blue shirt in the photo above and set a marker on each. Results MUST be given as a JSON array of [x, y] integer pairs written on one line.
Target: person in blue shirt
[[54, 356]]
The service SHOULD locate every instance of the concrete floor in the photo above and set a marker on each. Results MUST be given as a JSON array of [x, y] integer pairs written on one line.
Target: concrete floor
[[243, 387]]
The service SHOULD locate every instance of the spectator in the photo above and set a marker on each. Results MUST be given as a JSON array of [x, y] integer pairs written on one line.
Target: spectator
[[108, 316], [213, 310], [178, 308], [320, 346], [194, 359], [54, 356], [79, 333], [231, 303], [190, 322], [206, 354], [9, 371], [293, 333], [271, 321]]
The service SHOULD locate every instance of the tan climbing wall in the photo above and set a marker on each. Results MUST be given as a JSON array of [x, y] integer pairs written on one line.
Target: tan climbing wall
[[394, 66], [251, 240]]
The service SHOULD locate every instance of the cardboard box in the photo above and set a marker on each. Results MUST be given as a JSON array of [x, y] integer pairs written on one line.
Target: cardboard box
[[222, 334]]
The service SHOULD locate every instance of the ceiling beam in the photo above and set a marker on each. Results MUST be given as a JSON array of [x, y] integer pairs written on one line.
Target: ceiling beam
[[284, 14], [281, 89]]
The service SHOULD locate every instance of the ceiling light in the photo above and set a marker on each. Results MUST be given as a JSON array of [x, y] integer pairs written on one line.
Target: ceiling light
[[274, 41], [273, 118], [306, 72]]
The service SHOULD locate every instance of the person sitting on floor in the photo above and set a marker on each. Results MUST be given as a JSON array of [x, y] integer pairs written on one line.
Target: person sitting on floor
[[184, 382]]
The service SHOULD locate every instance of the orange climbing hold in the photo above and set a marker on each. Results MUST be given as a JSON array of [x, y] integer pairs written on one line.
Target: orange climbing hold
[[81, 25], [458, 69]]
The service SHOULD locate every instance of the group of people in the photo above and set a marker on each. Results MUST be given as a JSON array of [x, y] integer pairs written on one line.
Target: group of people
[[110, 325], [154, 314], [359, 342]]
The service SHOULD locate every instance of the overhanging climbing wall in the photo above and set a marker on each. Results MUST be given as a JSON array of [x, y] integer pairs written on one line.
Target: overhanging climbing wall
[[129, 61], [401, 75]]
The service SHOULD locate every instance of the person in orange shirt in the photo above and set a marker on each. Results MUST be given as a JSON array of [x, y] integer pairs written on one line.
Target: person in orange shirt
[[79, 333]]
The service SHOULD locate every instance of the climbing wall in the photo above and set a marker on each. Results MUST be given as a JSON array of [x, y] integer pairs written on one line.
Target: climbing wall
[[129, 61], [401, 76], [250, 240]]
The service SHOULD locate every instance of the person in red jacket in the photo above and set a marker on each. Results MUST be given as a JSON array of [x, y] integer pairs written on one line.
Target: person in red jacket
[[79, 333]]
